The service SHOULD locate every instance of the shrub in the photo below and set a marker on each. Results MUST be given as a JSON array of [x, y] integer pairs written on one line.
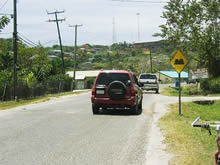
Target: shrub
[[89, 82], [214, 85], [192, 90], [211, 85], [204, 84]]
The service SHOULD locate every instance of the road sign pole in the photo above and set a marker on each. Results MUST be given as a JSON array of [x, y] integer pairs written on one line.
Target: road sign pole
[[179, 95], [178, 62]]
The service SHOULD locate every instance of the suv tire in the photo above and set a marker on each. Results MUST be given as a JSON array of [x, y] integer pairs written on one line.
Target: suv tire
[[140, 106], [136, 109], [117, 90], [95, 109]]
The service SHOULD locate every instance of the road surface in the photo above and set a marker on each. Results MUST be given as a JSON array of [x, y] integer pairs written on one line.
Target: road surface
[[64, 131]]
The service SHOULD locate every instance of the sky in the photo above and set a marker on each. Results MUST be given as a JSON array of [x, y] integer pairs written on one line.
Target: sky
[[95, 16]]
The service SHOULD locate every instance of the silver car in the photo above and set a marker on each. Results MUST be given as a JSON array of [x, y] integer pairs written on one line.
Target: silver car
[[149, 81]]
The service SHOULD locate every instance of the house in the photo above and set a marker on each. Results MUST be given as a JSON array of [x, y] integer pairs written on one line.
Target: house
[[199, 74], [82, 78], [172, 76], [53, 54]]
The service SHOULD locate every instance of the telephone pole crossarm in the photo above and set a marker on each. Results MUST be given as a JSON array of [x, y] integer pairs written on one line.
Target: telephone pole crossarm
[[58, 29], [59, 20], [55, 12]]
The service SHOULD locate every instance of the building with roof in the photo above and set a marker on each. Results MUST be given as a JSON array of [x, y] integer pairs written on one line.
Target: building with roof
[[82, 78], [171, 76]]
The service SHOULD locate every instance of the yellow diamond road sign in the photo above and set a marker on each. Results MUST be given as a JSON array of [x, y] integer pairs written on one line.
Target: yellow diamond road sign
[[178, 61]]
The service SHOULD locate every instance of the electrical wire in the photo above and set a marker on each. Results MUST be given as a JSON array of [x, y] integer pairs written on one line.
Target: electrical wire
[[6, 33], [25, 42], [25, 39], [3, 5], [51, 41]]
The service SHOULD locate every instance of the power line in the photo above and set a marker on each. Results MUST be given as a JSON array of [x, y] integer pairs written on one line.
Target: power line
[[48, 42], [27, 40], [24, 42], [6, 33], [4, 4], [7, 14]]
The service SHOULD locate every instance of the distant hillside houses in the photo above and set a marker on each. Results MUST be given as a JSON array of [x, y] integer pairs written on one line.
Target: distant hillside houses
[[91, 49], [53, 54]]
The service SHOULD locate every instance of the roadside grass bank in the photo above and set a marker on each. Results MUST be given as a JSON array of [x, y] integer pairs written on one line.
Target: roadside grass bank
[[186, 91], [4, 105], [190, 145]]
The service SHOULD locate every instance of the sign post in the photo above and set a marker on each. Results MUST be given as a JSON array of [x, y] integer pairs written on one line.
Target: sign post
[[178, 62], [148, 51]]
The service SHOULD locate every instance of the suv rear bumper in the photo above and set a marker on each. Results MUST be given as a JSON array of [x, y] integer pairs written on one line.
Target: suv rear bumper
[[107, 102]]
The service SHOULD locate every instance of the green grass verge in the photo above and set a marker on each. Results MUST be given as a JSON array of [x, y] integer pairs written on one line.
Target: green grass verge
[[188, 90], [4, 105], [190, 145]]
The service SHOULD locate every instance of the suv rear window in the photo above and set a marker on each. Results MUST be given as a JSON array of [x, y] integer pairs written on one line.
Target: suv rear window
[[107, 78], [148, 76]]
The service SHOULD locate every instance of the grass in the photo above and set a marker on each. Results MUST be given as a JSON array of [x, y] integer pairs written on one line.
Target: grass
[[190, 145], [4, 105], [188, 90]]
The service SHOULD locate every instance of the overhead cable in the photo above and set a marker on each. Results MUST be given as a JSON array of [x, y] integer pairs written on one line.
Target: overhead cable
[[3, 5], [27, 40]]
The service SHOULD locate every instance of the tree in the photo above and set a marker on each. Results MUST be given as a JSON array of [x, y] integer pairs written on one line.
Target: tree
[[3, 22], [33, 60], [194, 26]]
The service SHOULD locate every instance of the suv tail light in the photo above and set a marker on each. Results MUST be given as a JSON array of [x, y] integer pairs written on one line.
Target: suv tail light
[[133, 92], [93, 91]]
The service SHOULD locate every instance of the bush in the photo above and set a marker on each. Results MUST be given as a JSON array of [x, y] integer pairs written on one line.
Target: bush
[[214, 85], [204, 84], [89, 83], [192, 90], [59, 83], [211, 85]]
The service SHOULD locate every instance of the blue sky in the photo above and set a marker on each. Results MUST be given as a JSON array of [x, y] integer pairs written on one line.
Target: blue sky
[[96, 16]]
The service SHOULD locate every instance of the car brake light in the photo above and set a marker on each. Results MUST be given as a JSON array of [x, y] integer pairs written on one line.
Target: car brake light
[[133, 92], [93, 91]]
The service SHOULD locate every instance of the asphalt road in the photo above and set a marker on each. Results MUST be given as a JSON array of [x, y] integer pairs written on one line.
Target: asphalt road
[[64, 131]]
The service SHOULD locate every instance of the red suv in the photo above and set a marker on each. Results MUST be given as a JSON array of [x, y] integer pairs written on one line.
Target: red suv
[[116, 89]]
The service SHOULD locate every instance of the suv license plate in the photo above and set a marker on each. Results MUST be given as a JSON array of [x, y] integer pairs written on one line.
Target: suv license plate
[[100, 92]]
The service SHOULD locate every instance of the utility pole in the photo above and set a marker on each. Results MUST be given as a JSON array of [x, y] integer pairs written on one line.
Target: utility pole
[[75, 50], [113, 31], [58, 29], [138, 25], [151, 69], [15, 49]]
